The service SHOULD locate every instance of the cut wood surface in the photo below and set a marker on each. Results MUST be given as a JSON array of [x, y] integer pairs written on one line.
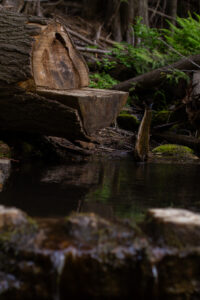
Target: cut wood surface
[[38, 52], [151, 79], [97, 108], [44, 82]]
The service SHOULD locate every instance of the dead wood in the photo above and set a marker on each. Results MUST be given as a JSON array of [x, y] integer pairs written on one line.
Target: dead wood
[[192, 101], [38, 52], [81, 37], [90, 50], [142, 142], [153, 78]]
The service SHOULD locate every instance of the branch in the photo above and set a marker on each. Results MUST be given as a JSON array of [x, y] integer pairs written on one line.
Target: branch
[[81, 37], [93, 50], [161, 14], [150, 79]]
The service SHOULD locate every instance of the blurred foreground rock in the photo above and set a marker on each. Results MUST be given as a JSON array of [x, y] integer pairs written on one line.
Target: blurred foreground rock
[[89, 257], [5, 164]]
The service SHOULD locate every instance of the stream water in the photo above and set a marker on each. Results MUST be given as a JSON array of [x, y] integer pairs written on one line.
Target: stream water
[[111, 188]]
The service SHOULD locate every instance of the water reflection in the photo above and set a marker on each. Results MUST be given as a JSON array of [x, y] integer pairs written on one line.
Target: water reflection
[[111, 188]]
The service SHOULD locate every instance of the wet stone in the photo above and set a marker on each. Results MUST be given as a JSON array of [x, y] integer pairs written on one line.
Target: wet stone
[[88, 257], [173, 227], [12, 217]]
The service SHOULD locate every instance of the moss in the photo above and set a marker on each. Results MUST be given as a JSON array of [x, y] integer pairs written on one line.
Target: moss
[[161, 117], [5, 151], [171, 150], [127, 121]]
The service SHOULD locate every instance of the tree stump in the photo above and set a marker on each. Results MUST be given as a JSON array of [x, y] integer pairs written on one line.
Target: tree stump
[[38, 54]]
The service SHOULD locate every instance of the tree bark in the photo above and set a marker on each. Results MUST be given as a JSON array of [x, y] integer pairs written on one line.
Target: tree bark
[[127, 20], [31, 113], [37, 55], [143, 11], [192, 101], [150, 79], [172, 10]]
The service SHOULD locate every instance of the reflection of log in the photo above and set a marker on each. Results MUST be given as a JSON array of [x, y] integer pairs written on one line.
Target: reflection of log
[[154, 77], [179, 139]]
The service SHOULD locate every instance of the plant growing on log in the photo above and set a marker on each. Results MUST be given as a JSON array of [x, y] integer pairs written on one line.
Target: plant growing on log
[[175, 75]]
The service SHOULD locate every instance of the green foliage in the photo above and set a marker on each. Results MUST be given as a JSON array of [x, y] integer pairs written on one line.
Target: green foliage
[[149, 37], [140, 58], [185, 37], [156, 48], [107, 64], [102, 81], [175, 75]]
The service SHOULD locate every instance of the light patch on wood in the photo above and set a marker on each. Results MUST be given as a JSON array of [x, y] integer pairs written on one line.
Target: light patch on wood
[[97, 108], [56, 64], [28, 85]]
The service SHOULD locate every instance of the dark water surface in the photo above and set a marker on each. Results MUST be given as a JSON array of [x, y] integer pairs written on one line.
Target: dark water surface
[[110, 188]]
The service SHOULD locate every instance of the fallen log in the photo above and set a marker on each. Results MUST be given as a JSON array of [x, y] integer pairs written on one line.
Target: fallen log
[[31, 113], [36, 55], [97, 108], [153, 78]]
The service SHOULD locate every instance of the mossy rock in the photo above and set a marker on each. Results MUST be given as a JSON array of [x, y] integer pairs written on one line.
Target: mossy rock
[[174, 151], [128, 122], [5, 151], [161, 117]]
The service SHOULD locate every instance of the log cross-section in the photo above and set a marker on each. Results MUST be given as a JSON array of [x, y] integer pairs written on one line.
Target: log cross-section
[[38, 52], [44, 82]]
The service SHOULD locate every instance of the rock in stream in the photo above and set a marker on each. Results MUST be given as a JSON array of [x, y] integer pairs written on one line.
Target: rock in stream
[[89, 257]]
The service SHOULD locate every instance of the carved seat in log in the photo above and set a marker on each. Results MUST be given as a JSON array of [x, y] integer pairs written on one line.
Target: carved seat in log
[[44, 81]]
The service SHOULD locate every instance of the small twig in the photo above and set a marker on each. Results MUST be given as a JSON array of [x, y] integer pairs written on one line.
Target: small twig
[[161, 14], [110, 42], [93, 50], [181, 55], [155, 10], [81, 37], [54, 3], [98, 34]]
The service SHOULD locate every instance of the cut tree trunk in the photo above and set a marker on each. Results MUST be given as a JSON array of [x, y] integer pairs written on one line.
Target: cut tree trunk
[[37, 54], [97, 108], [151, 79]]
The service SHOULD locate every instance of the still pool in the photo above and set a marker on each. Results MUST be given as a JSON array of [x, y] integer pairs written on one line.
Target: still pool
[[111, 188]]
